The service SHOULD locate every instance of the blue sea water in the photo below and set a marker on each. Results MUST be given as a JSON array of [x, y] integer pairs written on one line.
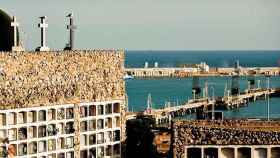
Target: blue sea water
[[179, 89], [212, 58]]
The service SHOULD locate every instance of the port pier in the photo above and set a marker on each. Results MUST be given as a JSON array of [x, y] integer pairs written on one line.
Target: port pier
[[165, 115]]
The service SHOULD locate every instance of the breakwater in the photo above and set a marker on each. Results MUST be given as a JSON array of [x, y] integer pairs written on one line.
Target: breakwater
[[199, 71]]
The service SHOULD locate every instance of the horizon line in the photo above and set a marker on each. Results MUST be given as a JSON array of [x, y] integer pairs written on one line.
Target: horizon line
[[202, 50]]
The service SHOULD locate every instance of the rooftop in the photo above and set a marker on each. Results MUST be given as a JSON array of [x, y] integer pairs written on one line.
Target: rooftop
[[43, 78], [228, 132], [251, 125]]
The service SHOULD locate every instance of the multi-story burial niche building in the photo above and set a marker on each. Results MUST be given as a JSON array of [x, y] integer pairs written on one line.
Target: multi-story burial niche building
[[226, 139], [61, 104]]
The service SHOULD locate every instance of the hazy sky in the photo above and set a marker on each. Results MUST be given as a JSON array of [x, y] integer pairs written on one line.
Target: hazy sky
[[153, 24]]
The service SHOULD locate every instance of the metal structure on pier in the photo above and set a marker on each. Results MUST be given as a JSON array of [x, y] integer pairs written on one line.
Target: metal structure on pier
[[196, 89], [235, 90], [251, 82]]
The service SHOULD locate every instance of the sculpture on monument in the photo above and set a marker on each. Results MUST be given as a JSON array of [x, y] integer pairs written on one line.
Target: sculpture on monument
[[71, 27], [16, 45], [43, 25]]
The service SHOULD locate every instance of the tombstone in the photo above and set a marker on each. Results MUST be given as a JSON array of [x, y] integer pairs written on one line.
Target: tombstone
[[43, 25], [16, 46], [71, 27]]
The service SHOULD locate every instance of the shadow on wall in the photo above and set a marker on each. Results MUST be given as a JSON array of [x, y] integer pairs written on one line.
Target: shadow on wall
[[6, 32], [140, 137]]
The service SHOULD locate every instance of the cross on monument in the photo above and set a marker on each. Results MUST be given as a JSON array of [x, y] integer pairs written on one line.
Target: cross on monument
[[16, 46], [15, 25], [43, 25], [71, 27]]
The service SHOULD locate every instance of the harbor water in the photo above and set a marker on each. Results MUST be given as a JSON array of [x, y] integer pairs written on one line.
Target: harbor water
[[179, 90]]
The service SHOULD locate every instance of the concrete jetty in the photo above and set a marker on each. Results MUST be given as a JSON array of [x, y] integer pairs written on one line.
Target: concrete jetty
[[165, 115], [203, 70]]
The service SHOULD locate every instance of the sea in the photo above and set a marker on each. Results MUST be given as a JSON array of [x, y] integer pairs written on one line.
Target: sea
[[178, 90]]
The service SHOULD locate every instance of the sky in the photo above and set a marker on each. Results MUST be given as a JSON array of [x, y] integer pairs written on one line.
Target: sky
[[152, 24]]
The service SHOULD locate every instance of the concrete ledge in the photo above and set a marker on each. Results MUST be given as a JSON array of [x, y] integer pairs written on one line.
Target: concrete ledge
[[232, 151]]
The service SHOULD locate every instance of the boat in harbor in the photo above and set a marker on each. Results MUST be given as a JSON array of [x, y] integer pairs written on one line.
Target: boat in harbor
[[127, 77]]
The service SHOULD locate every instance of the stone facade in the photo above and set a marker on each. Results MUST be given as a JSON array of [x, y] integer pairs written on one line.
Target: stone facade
[[44, 78], [87, 83]]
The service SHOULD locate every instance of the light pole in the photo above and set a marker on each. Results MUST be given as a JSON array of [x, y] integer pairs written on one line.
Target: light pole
[[206, 89], [193, 94], [259, 83], [213, 100], [268, 113], [228, 92]]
